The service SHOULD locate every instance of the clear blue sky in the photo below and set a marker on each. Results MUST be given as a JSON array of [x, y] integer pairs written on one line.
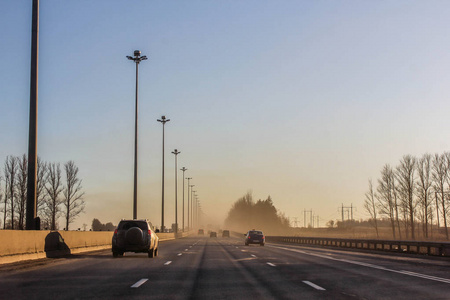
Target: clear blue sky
[[301, 100]]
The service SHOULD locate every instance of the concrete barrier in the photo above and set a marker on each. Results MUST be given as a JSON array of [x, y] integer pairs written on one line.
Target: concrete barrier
[[18, 245]]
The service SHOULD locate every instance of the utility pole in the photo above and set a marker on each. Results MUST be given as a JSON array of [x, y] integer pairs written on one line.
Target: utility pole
[[310, 217], [348, 210]]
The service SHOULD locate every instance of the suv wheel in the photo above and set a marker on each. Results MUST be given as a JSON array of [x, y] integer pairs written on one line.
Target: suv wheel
[[156, 252], [151, 253]]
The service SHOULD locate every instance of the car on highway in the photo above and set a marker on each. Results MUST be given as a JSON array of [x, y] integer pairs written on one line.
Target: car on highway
[[213, 234], [135, 236], [254, 237], [226, 233], [201, 232]]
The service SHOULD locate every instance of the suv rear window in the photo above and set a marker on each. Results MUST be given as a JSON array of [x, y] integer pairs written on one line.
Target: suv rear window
[[256, 232], [129, 224]]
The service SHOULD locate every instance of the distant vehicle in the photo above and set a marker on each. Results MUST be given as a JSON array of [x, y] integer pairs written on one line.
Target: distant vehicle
[[135, 236], [213, 234], [226, 233], [201, 232], [254, 237]]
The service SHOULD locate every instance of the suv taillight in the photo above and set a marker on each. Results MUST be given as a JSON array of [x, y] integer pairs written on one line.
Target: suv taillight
[[149, 232], [115, 232]]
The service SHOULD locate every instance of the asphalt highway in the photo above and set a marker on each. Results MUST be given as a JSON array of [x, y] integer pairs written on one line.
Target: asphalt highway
[[223, 268]]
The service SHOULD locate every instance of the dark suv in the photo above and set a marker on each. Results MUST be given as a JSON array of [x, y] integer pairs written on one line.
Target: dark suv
[[135, 236], [254, 237]]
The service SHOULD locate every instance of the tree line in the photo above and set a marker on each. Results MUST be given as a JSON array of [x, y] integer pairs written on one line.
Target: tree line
[[99, 226], [55, 196], [412, 195], [246, 214]]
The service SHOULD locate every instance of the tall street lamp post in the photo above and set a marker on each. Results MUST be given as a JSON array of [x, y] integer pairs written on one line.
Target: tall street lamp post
[[176, 152], [31, 222], [163, 121], [137, 59], [188, 211], [183, 169], [192, 207]]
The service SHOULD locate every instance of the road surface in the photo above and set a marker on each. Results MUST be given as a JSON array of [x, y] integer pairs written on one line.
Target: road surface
[[223, 268]]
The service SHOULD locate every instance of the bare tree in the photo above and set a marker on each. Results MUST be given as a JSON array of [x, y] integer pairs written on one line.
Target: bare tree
[[1, 198], [54, 189], [385, 195], [396, 206], [423, 189], [371, 207], [73, 196], [10, 177], [41, 181], [440, 174], [21, 189], [406, 183]]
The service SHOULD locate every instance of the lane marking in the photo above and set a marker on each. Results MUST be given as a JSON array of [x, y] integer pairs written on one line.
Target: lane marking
[[426, 276], [186, 249], [139, 283], [168, 263], [314, 285], [179, 254], [271, 264], [253, 255], [440, 279]]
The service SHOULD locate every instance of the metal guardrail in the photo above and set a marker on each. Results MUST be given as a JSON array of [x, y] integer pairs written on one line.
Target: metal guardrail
[[414, 247]]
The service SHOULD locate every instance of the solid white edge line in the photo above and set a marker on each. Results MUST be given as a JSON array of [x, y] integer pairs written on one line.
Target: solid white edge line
[[139, 283], [168, 263], [314, 285], [445, 280]]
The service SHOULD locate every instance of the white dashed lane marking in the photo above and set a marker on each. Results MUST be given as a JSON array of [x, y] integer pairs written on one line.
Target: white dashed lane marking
[[314, 285], [139, 283], [271, 264], [168, 263]]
